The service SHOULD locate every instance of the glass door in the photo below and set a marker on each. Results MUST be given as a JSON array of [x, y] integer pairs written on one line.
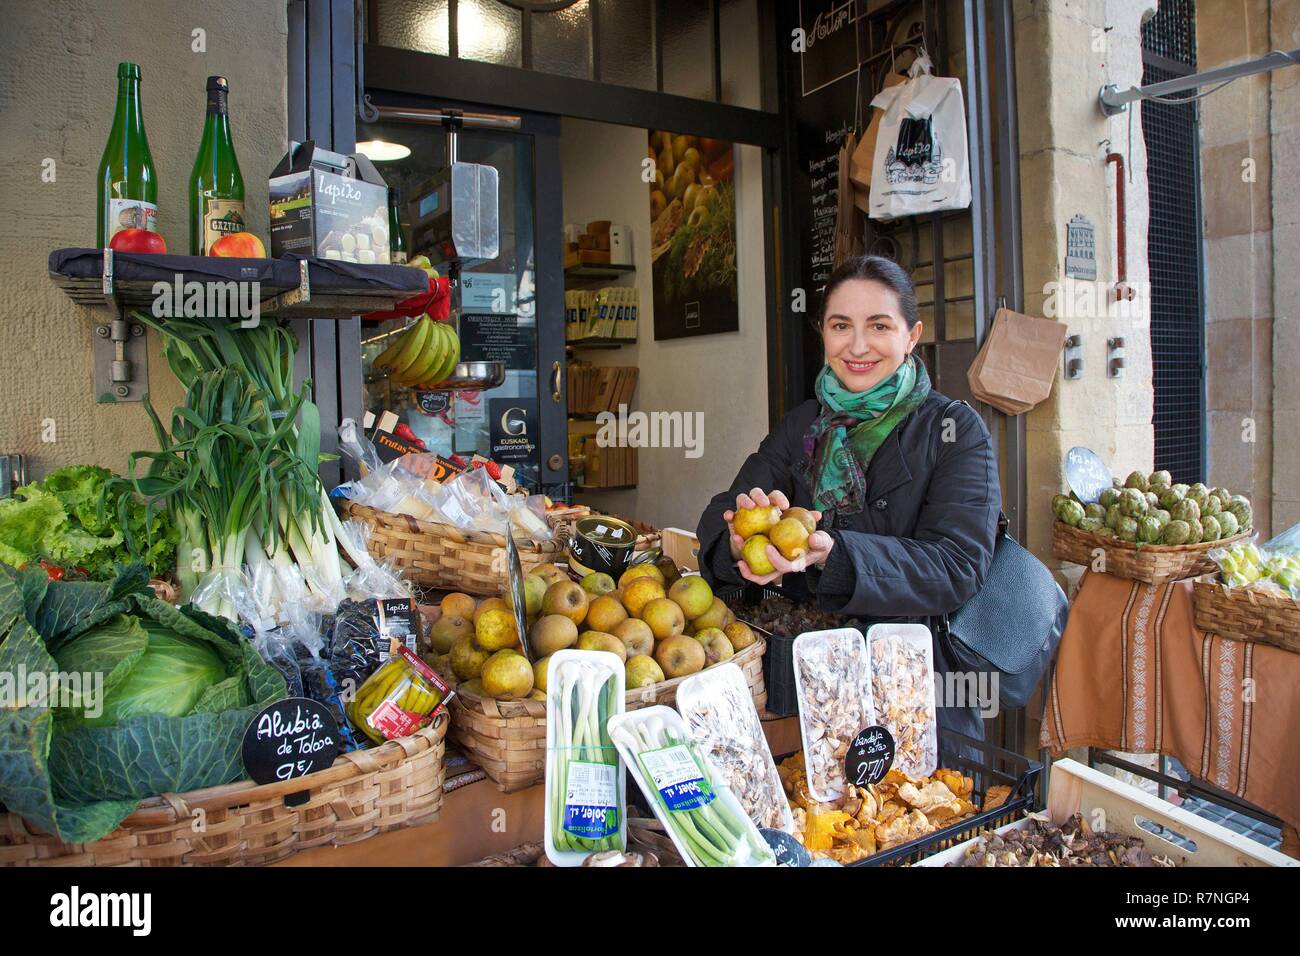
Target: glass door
[[508, 308]]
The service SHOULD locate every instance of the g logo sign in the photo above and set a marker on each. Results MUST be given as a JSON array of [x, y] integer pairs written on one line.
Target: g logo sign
[[512, 421]]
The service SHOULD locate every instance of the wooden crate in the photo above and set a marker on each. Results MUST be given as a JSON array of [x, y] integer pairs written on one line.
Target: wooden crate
[[1113, 805]]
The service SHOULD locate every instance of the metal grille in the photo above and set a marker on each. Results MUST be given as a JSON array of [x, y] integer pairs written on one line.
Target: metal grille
[[1174, 249], [1171, 33]]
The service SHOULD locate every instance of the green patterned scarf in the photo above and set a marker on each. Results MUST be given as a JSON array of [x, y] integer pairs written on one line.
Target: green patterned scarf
[[852, 427]]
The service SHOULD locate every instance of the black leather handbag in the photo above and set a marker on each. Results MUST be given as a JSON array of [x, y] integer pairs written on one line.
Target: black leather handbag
[[1013, 625]]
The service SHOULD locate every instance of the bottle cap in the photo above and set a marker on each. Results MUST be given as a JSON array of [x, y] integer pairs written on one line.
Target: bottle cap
[[128, 71], [218, 83]]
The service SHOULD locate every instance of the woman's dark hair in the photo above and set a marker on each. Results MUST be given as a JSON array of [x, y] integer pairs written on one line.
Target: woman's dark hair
[[873, 269]]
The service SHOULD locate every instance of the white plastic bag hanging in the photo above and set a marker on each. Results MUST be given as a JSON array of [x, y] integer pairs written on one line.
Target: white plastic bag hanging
[[921, 163]]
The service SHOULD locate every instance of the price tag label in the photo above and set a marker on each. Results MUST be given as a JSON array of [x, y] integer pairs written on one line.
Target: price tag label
[[1086, 474], [787, 850], [290, 738], [870, 756]]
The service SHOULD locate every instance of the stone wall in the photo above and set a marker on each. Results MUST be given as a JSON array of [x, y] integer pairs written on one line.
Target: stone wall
[[1066, 50], [58, 87], [1238, 194]]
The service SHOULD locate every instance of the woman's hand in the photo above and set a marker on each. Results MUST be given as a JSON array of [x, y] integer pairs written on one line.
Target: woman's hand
[[819, 542]]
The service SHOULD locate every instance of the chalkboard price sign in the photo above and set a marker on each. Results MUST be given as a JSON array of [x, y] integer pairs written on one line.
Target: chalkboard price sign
[[1086, 474], [787, 850], [290, 738], [870, 756]]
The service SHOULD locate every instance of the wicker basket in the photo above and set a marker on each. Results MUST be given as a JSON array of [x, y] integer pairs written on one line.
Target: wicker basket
[[508, 738], [1247, 614], [398, 784], [1151, 563], [437, 555]]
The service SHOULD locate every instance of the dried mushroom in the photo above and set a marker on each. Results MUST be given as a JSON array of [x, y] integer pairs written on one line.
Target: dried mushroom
[[1073, 843], [834, 704], [902, 689]]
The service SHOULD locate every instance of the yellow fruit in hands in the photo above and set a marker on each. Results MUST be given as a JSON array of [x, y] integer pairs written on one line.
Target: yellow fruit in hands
[[790, 538], [751, 521], [755, 554], [804, 516], [495, 630]]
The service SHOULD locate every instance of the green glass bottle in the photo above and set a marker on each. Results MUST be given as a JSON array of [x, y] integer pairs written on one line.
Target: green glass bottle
[[127, 186], [396, 238], [216, 185]]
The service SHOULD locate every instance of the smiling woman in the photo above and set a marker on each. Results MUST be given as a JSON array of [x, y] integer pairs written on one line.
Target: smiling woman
[[901, 481]]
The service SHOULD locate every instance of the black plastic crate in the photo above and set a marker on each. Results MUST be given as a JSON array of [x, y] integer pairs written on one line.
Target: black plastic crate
[[778, 661], [988, 765]]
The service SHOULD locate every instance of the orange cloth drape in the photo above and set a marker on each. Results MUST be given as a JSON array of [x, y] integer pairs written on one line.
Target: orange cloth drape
[[1135, 674]]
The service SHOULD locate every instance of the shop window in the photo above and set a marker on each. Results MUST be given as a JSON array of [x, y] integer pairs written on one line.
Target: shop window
[[626, 42], [562, 41]]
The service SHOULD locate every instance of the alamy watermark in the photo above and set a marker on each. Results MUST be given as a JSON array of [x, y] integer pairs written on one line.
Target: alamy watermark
[[83, 691], [178, 299], [652, 430]]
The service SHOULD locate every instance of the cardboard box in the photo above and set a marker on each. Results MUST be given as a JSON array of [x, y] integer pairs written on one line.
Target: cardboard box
[[682, 546], [328, 205]]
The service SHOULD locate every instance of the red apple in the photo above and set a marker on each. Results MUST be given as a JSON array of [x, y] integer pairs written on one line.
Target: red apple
[[138, 240], [238, 245]]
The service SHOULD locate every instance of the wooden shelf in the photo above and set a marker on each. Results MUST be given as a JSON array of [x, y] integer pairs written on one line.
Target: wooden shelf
[[289, 288], [598, 343], [586, 274]]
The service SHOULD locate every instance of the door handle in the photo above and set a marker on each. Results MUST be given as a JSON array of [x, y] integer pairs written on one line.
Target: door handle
[[555, 381]]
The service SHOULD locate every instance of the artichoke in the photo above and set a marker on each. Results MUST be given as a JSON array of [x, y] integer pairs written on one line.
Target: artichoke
[[1212, 506], [1162, 478], [1186, 510], [1239, 505], [1223, 494], [1197, 534], [1094, 511], [1170, 497], [1182, 490], [1092, 524], [1149, 529], [1108, 497], [1127, 530], [1153, 501], [1210, 529], [1198, 493], [1162, 516], [1058, 501], [1113, 514], [1228, 523], [1176, 532], [1132, 503], [1072, 513], [1137, 480]]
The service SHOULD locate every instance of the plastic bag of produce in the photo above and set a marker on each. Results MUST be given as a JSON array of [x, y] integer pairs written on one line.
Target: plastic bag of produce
[[902, 689], [690, 797], [586, 800], [363, 635], [721, 718], [1288, 542], [832, 676]]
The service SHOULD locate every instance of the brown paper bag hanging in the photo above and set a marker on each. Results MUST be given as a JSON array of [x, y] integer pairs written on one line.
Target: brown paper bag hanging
[[848, 225], [865, 154], [1016, 366]]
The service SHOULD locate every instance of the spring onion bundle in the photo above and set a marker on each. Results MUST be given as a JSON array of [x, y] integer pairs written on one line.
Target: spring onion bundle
[[238, 465], [705, 820], [584, 777]]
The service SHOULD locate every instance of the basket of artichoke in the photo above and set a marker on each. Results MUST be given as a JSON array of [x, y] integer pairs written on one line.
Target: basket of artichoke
[[1148, 528]]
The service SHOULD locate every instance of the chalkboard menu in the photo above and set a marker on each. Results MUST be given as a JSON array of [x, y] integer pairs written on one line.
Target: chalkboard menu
[[290, 738]]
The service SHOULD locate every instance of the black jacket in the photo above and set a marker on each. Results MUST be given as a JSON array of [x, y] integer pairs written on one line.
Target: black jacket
[[922, 545]]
